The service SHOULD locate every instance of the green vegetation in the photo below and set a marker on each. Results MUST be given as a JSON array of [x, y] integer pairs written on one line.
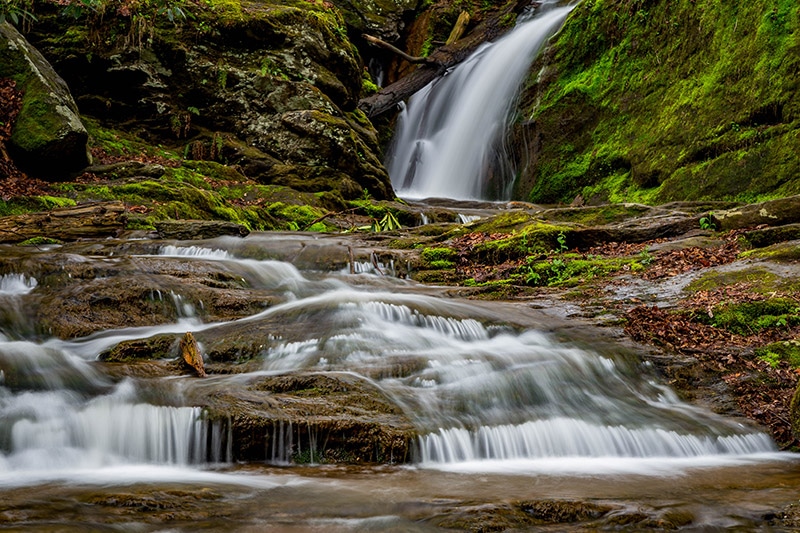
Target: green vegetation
[[707, 222], [783, 351], [39, 241], [439, 258], [657, 101], [570, 270], [751, 317]]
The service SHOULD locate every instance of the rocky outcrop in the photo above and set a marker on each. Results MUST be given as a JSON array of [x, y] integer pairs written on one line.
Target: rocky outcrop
[[309, 418], [272, 91], [48, 138], [383, 18]]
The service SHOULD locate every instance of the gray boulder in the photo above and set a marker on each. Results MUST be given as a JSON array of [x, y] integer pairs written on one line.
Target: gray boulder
[[48, 138]]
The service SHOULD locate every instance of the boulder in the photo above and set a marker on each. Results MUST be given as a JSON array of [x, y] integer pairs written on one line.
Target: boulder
[[48, 138], [308, 418]]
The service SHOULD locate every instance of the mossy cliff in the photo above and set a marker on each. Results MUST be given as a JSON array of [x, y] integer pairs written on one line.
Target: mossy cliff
[[267, 88], [660, 100]]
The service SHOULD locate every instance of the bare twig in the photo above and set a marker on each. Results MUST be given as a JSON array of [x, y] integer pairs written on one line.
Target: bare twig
[[395, 50]]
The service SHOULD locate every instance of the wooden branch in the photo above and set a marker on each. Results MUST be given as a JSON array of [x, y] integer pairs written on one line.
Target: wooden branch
[[440, 60], [395, 50], [102, 219], [458, 29]]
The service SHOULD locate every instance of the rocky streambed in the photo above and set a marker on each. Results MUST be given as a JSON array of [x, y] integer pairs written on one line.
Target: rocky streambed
[[312, 343]]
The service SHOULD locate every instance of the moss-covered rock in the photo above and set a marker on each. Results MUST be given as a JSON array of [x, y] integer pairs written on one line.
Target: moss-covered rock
[[311, 418], [47, 138], [665, 100], [271, 91]]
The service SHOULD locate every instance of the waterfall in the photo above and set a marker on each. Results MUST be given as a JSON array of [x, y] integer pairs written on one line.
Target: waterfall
[[449, 139]]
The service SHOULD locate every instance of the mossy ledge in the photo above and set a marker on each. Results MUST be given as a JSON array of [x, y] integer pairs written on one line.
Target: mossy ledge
[[653, 101]]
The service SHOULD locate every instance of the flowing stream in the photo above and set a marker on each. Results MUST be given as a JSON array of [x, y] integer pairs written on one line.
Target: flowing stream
[[492, 389], [449, 140]]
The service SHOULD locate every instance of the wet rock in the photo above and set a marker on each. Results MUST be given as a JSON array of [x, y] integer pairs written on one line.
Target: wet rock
[[185, 230], [48, 138], [101, 219], [772, 213], [561, 512], [772, 235], [77, 297], [308, 417], [156, 347], [635, 230], [522, 515]]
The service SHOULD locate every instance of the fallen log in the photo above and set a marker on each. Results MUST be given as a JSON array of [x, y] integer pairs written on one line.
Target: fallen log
[[85, 221], [442, 59]]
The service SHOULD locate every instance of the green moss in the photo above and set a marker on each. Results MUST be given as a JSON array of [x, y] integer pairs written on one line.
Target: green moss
[[442, 255], [776, 352], [759, 279], [751, 317], [593, 216], [570, 270], [295, 217], [533, 239], [39, 241], [655, 101], [784, 251]]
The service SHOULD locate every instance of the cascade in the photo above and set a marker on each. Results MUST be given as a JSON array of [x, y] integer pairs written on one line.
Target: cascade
[[479, 386], [449, 139]]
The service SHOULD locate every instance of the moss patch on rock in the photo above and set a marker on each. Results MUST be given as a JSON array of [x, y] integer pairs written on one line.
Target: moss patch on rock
[[656, 101]]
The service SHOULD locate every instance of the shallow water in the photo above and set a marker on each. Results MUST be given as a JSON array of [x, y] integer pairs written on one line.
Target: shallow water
[[344, 499], [513, 404]]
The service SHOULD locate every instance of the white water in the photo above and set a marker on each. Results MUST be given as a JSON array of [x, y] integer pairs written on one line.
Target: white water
[[449, 139], [484, 393], [16, 284]]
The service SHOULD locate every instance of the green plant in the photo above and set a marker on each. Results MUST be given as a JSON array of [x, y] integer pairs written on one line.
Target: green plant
[[387, 223], [16, 11], [707, 222], [645, 257], [562, 243]]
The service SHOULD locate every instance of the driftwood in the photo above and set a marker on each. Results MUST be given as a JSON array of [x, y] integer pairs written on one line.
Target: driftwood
[[395, 50], [440, 60], [86, 221], [459, 28], [190, 353]]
